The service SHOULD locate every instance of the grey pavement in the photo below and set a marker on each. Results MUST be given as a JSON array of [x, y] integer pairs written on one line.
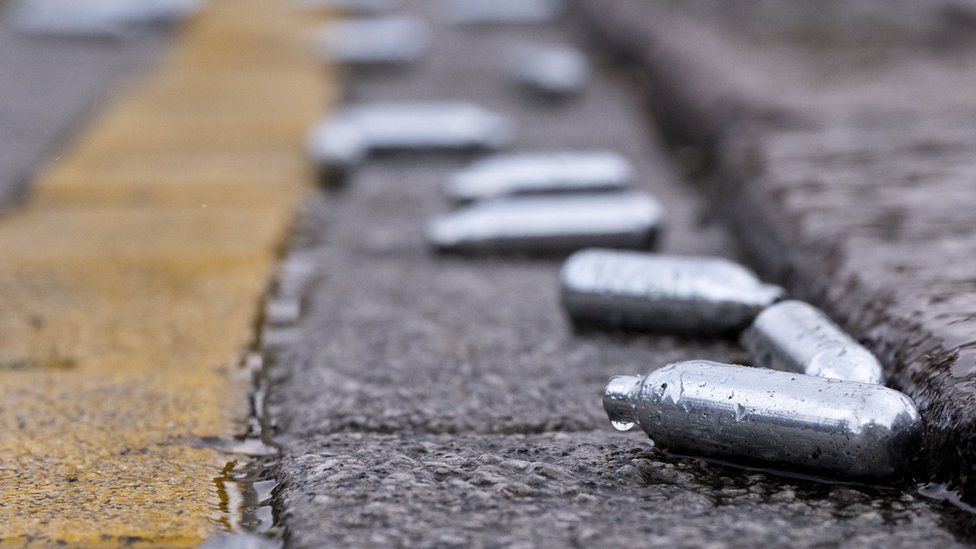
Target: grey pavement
[[50, 86], [845, 149], [442, 401]]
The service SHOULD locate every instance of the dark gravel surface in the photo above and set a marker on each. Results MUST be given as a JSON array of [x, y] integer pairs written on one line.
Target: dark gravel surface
[[847, 149], [444, 401], [50, 86]]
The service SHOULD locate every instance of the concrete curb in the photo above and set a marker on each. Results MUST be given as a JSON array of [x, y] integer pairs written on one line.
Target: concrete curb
[[708, 88]]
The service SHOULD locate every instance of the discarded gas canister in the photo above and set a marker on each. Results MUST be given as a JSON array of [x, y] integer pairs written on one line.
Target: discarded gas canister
[[103, 19], [662, 293], [282, 311], [494, 12], [295, 275], [65, 19], [158, 12], [373, 41], [335, 147], [760, 416], [553, 71], [540, 173], [358, 7], [795, 336], [548, 225], [345, 138]]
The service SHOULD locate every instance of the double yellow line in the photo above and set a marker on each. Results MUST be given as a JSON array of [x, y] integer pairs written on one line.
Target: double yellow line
[[130, 282]]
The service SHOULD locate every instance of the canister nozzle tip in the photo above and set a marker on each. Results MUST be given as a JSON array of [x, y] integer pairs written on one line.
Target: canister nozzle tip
[[618, 400]]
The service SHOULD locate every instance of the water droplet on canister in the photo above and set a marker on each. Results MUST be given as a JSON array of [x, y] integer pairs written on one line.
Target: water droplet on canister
[[623, 425]]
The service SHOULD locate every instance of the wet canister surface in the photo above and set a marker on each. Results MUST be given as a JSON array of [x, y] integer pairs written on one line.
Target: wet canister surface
[[797, 337], [662, 293], [550, 225], [776, 418]]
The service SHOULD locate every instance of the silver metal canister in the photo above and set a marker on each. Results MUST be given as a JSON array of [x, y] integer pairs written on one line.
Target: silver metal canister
[[662, 293], [556, 224], [797, 337], [760, 416], [540, 173], [335, 147], [65, 19], [373, 41], [502, 12], [354, 7], [101, 19], [347, 137], [553, 70]]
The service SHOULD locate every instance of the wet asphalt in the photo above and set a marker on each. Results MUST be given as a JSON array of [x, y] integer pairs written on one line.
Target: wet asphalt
[[427, 400]]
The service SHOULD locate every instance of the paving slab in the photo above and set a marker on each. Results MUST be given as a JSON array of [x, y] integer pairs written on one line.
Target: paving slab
[[427, 400], [844, 150]]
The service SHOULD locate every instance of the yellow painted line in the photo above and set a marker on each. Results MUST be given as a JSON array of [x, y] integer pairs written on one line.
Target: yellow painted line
[[130, 282]]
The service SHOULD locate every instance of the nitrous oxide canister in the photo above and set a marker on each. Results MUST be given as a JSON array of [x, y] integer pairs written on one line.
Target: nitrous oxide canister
[[761, 416]]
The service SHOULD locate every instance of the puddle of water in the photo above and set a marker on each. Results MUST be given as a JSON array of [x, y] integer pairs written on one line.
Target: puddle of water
[[958, 516], [254, 447], [230, 496], [257, 513], [247, 446], [263, 489], [940, 492], [245, 487], [245, 493], [256, 477]]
